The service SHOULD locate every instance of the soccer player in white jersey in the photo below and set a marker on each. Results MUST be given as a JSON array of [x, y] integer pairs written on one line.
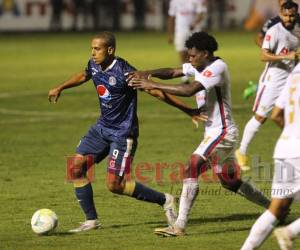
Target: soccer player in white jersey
[[279, 50], [212, 85], [185, 18], [286, 180]]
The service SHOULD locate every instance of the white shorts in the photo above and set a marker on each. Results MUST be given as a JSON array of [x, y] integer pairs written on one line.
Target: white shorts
[[266, 96], [218, 149], [179, 40], [286, 180]]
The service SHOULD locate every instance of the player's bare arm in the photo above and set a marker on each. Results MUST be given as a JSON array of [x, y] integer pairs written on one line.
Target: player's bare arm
[[163, 73], [195, 113], [268, 56], [198, 19], [278, 116], [179, 90], [74, 81], [171, 29]]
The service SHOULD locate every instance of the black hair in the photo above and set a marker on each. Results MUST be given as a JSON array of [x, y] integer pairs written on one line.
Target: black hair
[[108, 37], [289, 5], [202, 41]]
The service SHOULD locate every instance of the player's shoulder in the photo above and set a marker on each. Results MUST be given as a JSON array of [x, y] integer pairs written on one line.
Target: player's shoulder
[[269, 23], [218, 64], [124, 64]]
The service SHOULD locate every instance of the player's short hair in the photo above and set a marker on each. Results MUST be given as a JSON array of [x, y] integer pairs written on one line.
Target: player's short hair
[[108, 37], [202, 41], [289, 5]]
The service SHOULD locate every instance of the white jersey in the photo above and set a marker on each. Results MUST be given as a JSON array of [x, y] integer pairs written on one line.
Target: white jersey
[[215, 79], [279, 41], [185, 13], [289, 100]]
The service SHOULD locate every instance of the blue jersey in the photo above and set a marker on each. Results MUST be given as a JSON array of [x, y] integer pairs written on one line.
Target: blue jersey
[[118, 102]]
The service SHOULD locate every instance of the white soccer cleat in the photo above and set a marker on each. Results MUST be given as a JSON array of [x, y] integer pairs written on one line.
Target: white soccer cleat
[[284, 240], [170, 209], [242, 160], [170, 231], [86, 226]]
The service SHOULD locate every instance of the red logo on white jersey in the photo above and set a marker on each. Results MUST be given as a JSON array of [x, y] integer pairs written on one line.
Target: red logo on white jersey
[[284, 51], [268, 38], [207, 73]]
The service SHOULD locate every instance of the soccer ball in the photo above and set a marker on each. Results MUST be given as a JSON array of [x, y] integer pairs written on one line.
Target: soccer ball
[[44, 221]]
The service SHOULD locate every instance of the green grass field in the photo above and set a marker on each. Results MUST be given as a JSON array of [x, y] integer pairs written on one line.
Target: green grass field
[[36, 136]]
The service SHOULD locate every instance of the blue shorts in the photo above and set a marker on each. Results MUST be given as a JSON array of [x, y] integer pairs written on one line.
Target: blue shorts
[[99, 143]]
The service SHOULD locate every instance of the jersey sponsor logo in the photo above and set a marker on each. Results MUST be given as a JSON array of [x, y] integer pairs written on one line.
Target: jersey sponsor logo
[[207, 73], [103, 92], [94, 71], [112, 81], [284, 51], [268, 38]]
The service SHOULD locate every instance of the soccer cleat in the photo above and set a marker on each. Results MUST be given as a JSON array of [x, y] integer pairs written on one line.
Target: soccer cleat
[[86, 226], [250, 90], [284, 240], [170, 231], [242, 160], [170, 209]]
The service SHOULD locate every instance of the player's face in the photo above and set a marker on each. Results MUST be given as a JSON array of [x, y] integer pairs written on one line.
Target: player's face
[[197, 58], [288, 17], [100, 51]]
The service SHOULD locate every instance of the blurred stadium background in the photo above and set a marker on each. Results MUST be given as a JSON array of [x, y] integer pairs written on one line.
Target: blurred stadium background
[[70, 15], [40, 46]]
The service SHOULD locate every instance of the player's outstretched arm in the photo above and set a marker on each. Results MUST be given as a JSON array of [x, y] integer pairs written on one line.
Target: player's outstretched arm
[[174, 89], [278, 116], [172, 100], [267, 56], [74, 81], [163, 73]]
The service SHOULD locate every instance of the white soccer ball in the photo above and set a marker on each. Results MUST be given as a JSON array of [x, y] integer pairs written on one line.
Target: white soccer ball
[[44, 221]]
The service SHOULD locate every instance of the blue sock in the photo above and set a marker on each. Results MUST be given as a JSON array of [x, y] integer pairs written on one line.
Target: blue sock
[[85, 198], [144, 193]]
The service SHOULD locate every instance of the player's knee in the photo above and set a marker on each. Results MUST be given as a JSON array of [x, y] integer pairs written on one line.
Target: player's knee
[[194, 167], [115, 187], [79, 168], [260, 119], [281, 211], [230, 184]]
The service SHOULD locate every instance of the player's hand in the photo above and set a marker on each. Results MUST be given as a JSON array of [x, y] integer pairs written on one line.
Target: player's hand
[[137, 83], [197, 115], [137, 74], [199, 118], [293, 55], [53, 95]]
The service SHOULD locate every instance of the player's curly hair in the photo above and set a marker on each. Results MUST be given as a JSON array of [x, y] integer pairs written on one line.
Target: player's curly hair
[[108, 37], [202, 41], [289, 5]]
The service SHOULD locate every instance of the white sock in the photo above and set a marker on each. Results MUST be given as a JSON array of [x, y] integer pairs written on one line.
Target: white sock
[[294, 228], [249, 132], [260, 230], [189, 193]]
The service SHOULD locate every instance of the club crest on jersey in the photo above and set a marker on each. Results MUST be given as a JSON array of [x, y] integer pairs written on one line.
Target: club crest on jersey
[[112, 81], [94, 71], [103, 92]]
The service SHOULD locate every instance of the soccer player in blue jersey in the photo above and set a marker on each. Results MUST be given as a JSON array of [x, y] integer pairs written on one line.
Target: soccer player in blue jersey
[[115, 133]]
